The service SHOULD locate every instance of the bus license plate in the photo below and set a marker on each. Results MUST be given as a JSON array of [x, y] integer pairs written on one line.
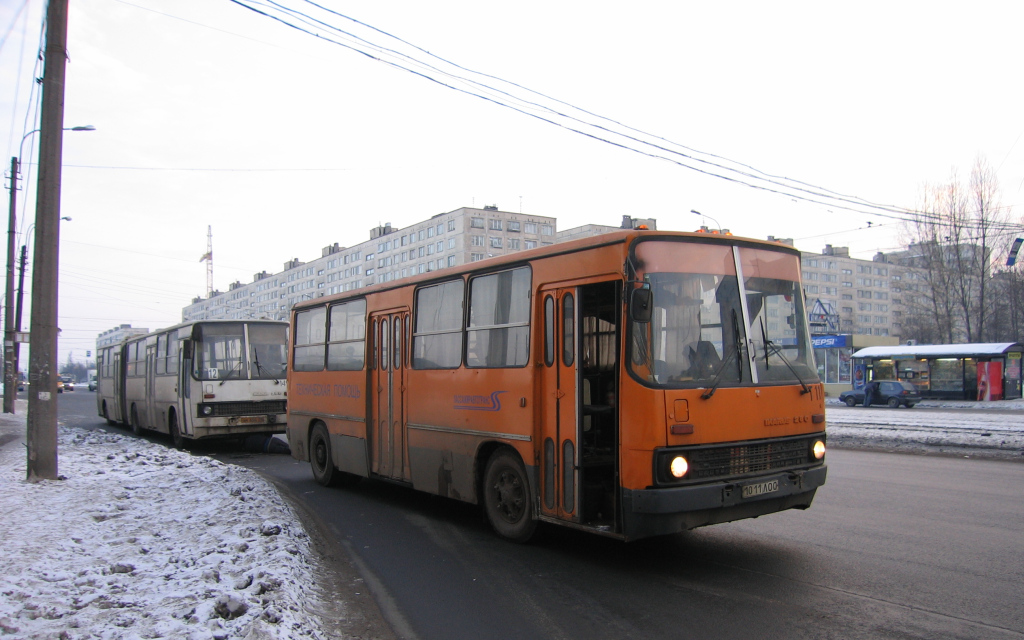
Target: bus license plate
[[760, 489], [251, 420]]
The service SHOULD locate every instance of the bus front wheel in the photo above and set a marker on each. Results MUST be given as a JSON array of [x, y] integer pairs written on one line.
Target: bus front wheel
[[176, 438], [136, 427], [507, 497]]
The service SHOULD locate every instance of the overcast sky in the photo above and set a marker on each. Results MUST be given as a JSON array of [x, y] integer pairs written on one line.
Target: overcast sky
[[209, 114]]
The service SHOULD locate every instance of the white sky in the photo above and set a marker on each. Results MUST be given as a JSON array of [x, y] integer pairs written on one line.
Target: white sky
[[285, 144]]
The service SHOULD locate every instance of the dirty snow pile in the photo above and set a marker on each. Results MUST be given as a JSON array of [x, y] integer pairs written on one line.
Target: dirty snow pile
[[983, 431], [141, 541]]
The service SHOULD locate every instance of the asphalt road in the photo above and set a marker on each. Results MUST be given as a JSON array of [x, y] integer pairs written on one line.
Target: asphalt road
[[895, 546]]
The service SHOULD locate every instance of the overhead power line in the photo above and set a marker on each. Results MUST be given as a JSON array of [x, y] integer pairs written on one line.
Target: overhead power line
[[557, 112]]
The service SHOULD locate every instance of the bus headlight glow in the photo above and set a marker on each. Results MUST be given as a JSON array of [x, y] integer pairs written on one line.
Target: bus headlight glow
[[679, 466], [818, 449]]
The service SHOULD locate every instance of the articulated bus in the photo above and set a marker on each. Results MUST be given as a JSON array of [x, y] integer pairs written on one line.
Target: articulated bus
[[210, 379], [631, 384]]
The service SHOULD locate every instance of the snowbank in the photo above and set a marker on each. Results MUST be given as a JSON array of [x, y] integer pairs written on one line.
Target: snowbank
[[142, 541], [979, 433]]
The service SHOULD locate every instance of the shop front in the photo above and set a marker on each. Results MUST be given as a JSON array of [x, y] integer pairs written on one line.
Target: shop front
[[979, 371]]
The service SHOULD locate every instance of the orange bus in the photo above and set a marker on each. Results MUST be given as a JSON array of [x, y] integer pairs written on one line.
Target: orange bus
[[631, 384]]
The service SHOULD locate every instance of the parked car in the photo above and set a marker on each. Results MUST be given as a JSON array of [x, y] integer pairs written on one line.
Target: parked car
[[888, 392]]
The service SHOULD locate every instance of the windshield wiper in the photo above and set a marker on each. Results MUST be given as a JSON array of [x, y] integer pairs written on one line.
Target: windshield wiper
[[732, 353], [777, 350], [238, 365], [717, 380]]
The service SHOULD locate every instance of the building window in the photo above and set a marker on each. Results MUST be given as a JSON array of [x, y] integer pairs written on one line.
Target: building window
[[474, 257], [546, 230], [529, 244], [476, 223], [476, 241], [496, 243], [495, 225], [451, 225], [531, 227], [513, 243], [513, 226]]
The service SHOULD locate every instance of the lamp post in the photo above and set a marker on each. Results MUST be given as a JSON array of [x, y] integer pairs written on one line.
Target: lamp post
[[10, 356], [706, 216]]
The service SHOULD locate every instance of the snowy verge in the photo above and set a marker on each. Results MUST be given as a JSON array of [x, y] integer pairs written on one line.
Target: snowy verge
[[970, 433], [142, 541]]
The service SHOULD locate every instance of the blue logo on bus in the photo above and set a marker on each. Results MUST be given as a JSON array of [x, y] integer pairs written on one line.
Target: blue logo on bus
[[480, 403]]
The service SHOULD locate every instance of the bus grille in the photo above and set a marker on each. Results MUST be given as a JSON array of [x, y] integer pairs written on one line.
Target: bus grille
[[222, 409], [743, 459]]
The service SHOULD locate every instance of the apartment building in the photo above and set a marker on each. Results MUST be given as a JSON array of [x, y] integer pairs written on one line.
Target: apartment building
[[445, 240], [118, 334]]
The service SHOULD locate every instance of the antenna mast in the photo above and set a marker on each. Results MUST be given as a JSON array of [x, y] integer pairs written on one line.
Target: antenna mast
[[208, 258]]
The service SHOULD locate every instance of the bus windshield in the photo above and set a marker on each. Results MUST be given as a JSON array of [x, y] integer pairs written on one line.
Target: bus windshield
[[713, 319], [222, 352]]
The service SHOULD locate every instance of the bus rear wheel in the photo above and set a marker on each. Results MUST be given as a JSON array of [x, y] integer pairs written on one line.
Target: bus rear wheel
[[507, 497], [324, 471]]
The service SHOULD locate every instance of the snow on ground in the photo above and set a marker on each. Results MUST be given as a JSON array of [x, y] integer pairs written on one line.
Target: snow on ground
[[141, 541], [989, 429]]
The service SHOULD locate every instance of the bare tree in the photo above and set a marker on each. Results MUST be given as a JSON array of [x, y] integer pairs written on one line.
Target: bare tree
[[953, 240]]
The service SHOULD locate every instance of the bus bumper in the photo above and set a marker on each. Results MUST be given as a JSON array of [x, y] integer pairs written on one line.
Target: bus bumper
[[651, 512]]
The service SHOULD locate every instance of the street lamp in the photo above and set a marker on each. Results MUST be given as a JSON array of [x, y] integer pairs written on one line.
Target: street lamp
[[10, 357], [706, 216]]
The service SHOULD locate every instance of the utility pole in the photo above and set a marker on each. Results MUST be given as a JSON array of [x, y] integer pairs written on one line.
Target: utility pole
[[41, 436], [17, 314], [10, 373]]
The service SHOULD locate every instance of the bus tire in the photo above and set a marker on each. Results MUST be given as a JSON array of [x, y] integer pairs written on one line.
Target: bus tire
[[134, 421], [506, 497], [320, 459], [106, 416], [172, 426]]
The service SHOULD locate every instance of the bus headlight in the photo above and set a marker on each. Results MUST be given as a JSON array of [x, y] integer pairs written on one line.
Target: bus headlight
[[818, 449], [678, 467], [207, 410]]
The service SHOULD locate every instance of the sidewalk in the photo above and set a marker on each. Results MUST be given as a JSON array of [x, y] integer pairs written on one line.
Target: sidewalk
[[140, 540]]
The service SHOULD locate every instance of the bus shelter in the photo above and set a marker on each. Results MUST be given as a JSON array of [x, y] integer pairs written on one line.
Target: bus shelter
[[977, 371]]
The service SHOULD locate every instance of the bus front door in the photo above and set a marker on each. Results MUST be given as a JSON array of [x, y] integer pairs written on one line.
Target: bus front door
[[388, 384], [560, 423]]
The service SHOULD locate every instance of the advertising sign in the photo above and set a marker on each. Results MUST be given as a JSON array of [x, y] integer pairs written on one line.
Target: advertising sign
[[829, 342], [990, 381]]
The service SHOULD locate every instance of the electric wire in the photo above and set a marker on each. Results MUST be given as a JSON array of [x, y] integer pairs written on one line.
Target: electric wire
[[850, 204]]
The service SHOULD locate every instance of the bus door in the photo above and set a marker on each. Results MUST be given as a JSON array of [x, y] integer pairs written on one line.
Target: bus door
[[560, 422], [118, 354], [185, 401], [150, 410], [388, 384]]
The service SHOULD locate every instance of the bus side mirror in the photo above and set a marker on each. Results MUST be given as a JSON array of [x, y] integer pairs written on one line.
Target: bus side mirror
[[640, 305]]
